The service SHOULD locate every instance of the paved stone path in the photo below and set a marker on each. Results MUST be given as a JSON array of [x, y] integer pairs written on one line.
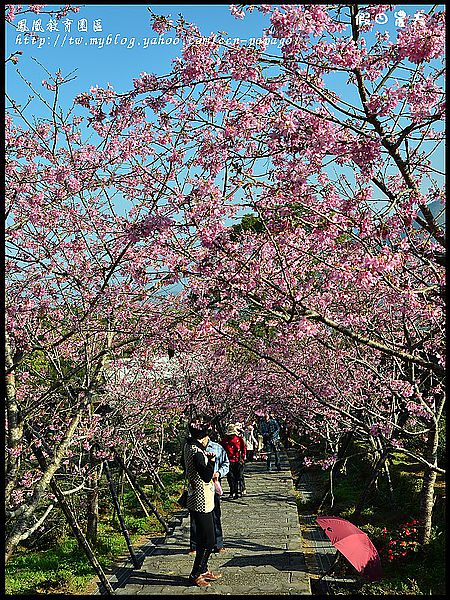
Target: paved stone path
[[314, 538], [262, 536]]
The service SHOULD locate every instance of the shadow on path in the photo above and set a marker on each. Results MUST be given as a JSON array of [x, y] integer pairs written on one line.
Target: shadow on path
[[146, 578], [293, 561]]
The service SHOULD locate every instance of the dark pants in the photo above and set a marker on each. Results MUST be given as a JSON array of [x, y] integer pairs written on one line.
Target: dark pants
[[217, 514], [206, 540], [234, 477], [272, 451], [241, 481], [250, 455]]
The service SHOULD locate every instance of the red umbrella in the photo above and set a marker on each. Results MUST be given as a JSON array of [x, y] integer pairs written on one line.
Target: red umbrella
[[354, 544]]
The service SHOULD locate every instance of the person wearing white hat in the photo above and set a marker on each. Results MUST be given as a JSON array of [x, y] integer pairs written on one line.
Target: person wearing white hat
[[236, 450]]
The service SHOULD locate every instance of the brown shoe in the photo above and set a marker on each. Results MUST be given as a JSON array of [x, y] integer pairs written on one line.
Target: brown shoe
[[199, 581], [211, 576], [220, 551], [192, 551]]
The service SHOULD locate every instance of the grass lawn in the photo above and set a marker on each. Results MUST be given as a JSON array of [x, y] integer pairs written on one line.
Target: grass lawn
[[64, 568]]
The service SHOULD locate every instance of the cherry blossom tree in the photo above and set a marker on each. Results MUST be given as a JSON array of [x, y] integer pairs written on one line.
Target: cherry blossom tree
[[299, 225]]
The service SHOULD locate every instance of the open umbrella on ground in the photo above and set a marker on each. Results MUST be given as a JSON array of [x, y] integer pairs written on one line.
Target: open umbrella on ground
[[354, 544]]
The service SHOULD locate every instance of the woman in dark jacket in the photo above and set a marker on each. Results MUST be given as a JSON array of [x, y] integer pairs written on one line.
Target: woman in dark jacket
[[199, 466]]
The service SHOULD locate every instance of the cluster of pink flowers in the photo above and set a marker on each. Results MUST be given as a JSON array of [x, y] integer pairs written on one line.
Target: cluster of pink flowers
[[283, 23], [147, 82], [241, 62], [161, 24], [299, 21], [384, 262], [346, 53], [423, 97], [365, 153], [402, 387], [419, 410], [16, 9], [377, 429], [11, 14], [36, 8], [198, 61], [237, 12], [328, 462], [150, 225], [422, 40], [29, 478], [383, 105]]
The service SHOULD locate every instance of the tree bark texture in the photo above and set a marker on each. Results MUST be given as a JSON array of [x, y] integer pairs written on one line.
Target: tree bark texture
[[123, 526], [27, 511], [14, 423]]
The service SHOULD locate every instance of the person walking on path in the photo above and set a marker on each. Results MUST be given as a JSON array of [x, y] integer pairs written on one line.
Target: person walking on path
[[234, 446], [250, 440], [200, 468], [270, 430], [240, 426], [222, 466], [260, 441]]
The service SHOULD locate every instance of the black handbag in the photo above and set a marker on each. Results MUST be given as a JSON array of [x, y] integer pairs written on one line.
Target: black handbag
[[182, 500]]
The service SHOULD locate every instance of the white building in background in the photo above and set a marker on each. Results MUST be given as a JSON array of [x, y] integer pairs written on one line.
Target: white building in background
[[162, 368]]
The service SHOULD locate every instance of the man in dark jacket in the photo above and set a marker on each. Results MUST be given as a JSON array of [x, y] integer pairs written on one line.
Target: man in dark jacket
[[270, 430]]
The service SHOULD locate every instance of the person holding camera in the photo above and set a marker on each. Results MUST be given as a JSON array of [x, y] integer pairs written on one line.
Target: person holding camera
[[200, 468], [221, 468]]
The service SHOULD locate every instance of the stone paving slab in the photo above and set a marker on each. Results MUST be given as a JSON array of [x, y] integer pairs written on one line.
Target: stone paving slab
[[263, 541]]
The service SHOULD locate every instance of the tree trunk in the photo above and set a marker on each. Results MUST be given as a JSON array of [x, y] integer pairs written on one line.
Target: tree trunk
[[123, 526], [389, 483], [344, 444], [429, 477], [92, 500], [26, 512], [377, 468], [14, 424], [121, 486], [427, 493], [73, 523]]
